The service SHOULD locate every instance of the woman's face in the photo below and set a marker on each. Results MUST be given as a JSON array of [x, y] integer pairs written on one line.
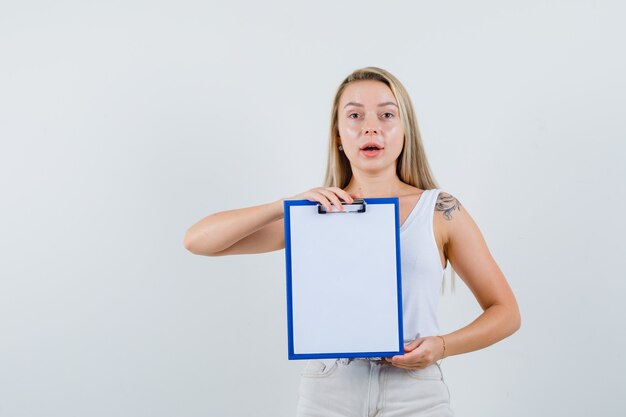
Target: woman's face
[[370, 129]]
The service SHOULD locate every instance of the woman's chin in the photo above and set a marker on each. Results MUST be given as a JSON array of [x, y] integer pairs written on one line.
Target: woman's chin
[[373, 167]]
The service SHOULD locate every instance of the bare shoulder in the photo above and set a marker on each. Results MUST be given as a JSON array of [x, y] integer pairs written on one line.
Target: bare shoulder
[[456, 225], [450, 216], [447, 205]]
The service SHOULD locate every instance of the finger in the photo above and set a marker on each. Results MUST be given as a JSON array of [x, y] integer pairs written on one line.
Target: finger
[[418, 355], [413, 344], [407, 359], [408, 365], [320, 198], [335, 197], [341, 193], [332, 197]]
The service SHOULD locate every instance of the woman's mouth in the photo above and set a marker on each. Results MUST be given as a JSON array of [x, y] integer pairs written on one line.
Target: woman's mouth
[[371, 150]]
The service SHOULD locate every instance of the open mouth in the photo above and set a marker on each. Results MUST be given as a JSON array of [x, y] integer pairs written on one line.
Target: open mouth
[[371, 149]]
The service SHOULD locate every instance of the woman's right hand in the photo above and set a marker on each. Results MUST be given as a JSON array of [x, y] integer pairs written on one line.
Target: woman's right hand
[[327, 197]]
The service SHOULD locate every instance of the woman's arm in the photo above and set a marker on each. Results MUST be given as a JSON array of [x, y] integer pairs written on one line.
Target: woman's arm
[[253, 229], [468, 254], [247, 230]]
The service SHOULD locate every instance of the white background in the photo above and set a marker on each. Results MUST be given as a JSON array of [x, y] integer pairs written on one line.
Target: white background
[[124, 122]]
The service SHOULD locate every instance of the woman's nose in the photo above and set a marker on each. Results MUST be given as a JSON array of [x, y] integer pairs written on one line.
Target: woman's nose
[[370, 127]]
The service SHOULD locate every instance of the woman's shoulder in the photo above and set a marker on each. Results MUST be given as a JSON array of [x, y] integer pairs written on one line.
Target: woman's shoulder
[[452, 218], [447, 204]]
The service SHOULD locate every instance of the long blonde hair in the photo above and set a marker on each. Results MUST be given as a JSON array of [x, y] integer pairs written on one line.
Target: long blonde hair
[[412, 167]]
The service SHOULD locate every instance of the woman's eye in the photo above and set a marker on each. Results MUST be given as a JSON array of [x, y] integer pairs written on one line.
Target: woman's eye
[[353, 114], [387, 117]]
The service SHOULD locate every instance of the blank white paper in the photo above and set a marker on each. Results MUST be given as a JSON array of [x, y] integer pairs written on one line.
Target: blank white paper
[[344, 278]]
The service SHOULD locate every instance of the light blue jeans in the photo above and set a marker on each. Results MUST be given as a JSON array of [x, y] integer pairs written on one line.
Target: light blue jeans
[[364, 388]]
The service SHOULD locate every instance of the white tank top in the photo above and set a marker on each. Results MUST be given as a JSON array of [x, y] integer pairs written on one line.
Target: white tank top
[[422, 272]]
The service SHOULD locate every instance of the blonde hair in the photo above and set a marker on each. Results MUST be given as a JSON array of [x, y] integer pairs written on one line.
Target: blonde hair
[[412, 167]]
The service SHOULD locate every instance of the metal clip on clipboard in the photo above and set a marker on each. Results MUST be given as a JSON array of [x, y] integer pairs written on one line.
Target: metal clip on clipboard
[[358, 205]]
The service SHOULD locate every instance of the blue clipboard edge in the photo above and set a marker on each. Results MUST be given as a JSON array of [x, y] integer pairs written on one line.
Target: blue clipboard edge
[[287, 223]]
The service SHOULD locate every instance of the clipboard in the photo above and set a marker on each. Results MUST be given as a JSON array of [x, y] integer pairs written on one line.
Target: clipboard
[[344, 290]]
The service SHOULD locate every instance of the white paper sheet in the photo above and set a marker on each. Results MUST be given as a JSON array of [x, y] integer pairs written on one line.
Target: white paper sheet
[[344, 281]]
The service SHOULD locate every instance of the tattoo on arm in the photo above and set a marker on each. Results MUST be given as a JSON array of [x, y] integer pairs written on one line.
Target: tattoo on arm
[[447, 204]]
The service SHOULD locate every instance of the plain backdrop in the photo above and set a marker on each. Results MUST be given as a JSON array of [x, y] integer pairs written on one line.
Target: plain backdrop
[[122, 123]]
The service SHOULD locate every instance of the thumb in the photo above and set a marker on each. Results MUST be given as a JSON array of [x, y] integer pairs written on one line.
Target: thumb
[[413, 344]]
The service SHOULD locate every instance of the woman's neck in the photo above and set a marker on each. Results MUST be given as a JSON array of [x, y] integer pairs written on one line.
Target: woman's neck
[[372, 187]]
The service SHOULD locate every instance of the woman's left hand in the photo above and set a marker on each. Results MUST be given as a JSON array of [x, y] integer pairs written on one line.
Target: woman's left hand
[[420, 353]]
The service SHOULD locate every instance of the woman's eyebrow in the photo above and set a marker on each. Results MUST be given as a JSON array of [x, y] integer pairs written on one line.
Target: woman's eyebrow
[[360, 105]]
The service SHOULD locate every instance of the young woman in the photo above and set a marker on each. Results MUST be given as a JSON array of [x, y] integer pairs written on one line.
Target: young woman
[[376, 151]]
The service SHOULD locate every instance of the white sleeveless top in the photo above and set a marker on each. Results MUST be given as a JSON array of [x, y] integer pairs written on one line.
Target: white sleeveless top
[[422, 272]]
